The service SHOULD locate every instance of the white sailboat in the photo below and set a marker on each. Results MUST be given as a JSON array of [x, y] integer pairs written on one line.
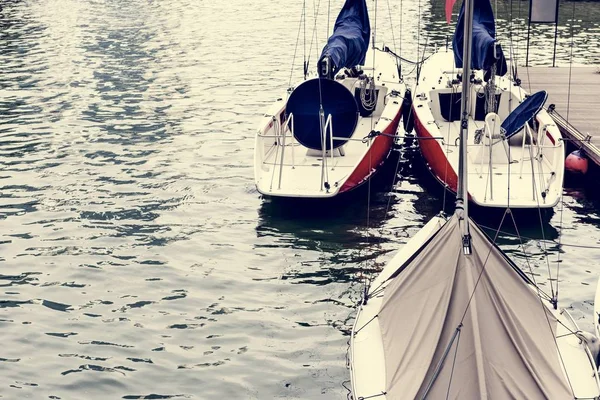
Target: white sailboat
[[452, 317], [330, 133], [517, 166]]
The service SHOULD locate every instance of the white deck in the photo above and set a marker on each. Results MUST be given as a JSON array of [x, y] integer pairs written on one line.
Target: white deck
[[285, 168], [301, 168], [535, 171]]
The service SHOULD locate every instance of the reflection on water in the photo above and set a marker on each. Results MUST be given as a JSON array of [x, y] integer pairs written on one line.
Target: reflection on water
[[138, 260]]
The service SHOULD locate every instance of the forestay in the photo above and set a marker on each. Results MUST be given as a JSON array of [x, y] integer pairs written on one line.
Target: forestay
[[496, 342]]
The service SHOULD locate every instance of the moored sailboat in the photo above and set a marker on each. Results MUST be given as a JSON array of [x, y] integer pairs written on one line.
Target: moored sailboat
[[452, 317], [519, 169], [329, 134]]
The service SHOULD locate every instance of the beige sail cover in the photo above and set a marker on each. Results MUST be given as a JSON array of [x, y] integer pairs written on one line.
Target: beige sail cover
[[505, 348]]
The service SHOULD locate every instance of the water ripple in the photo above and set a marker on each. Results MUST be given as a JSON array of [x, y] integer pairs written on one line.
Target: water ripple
[[138, 260]]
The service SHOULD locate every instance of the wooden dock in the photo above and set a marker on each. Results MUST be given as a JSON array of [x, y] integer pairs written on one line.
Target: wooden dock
[[576, 104]]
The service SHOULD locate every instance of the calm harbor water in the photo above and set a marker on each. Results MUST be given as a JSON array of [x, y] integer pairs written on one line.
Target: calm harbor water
[[137, 259]]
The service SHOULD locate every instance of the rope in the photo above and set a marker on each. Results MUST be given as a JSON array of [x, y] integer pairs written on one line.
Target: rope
[[374, 32], [535, 187], [314, 34], [418, 39], [372, 396], [534, 239], [366, 323], [367, 279], [570, 64], [328, 14], [453, 363], [304, 45], [391, 24], [302, 18], [368, 97], [482, 269], [527, 257], [562, 204], [400, 33], [406, 60]]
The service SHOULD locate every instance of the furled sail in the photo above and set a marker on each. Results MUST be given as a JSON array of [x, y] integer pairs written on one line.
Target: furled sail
[[349, 42], [467, 327], [485, 52]]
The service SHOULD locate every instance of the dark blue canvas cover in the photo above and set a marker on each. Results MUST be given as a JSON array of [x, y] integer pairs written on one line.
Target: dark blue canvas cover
[[305, 102], [523, 113], [484, 36], [349, 42]]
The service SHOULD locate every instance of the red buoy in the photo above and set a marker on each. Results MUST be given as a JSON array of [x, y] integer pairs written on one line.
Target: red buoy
[[576, 162]]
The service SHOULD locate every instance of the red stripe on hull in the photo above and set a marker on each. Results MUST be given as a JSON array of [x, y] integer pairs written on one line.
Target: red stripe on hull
[[434, 156], [378, 152]]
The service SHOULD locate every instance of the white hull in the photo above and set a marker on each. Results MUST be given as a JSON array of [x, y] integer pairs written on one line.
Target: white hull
[[367, 357], [533, 175], [367, 362], [285, 168]]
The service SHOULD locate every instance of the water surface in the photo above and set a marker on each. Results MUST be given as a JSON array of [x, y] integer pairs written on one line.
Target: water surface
[[137, 259]]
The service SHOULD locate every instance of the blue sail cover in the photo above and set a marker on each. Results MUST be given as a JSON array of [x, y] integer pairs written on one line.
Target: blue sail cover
[[484, 36], [523, 113], [349, 42]]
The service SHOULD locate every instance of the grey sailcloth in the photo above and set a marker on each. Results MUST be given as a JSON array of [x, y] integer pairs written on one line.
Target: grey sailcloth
[[505, 348]]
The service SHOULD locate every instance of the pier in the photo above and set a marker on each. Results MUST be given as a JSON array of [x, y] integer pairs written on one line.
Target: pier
[[575, 94]]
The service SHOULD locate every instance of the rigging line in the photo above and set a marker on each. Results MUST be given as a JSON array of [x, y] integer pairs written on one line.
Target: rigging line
[[418, 39], [314, 34], [277, 146], [485, 264], [454, 92], [519, 36], [379, 289], [570, 64], [537, 199], [366, 323], [374, 30], [302, 18], [400, 33], [562, 204], [482, 269], [440, 363], [526, 64], [512, 65], [556, 344], [571, 331], [394, 177], [368, 277], [453, 364], [328, 14], [407, 60], [372, 396], [391, 24], [545, 310], [452, 96], [527, 258], [305, 66], [423, 57]]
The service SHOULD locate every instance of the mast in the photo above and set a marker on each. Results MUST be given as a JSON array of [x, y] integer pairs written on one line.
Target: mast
[[462, 195]]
